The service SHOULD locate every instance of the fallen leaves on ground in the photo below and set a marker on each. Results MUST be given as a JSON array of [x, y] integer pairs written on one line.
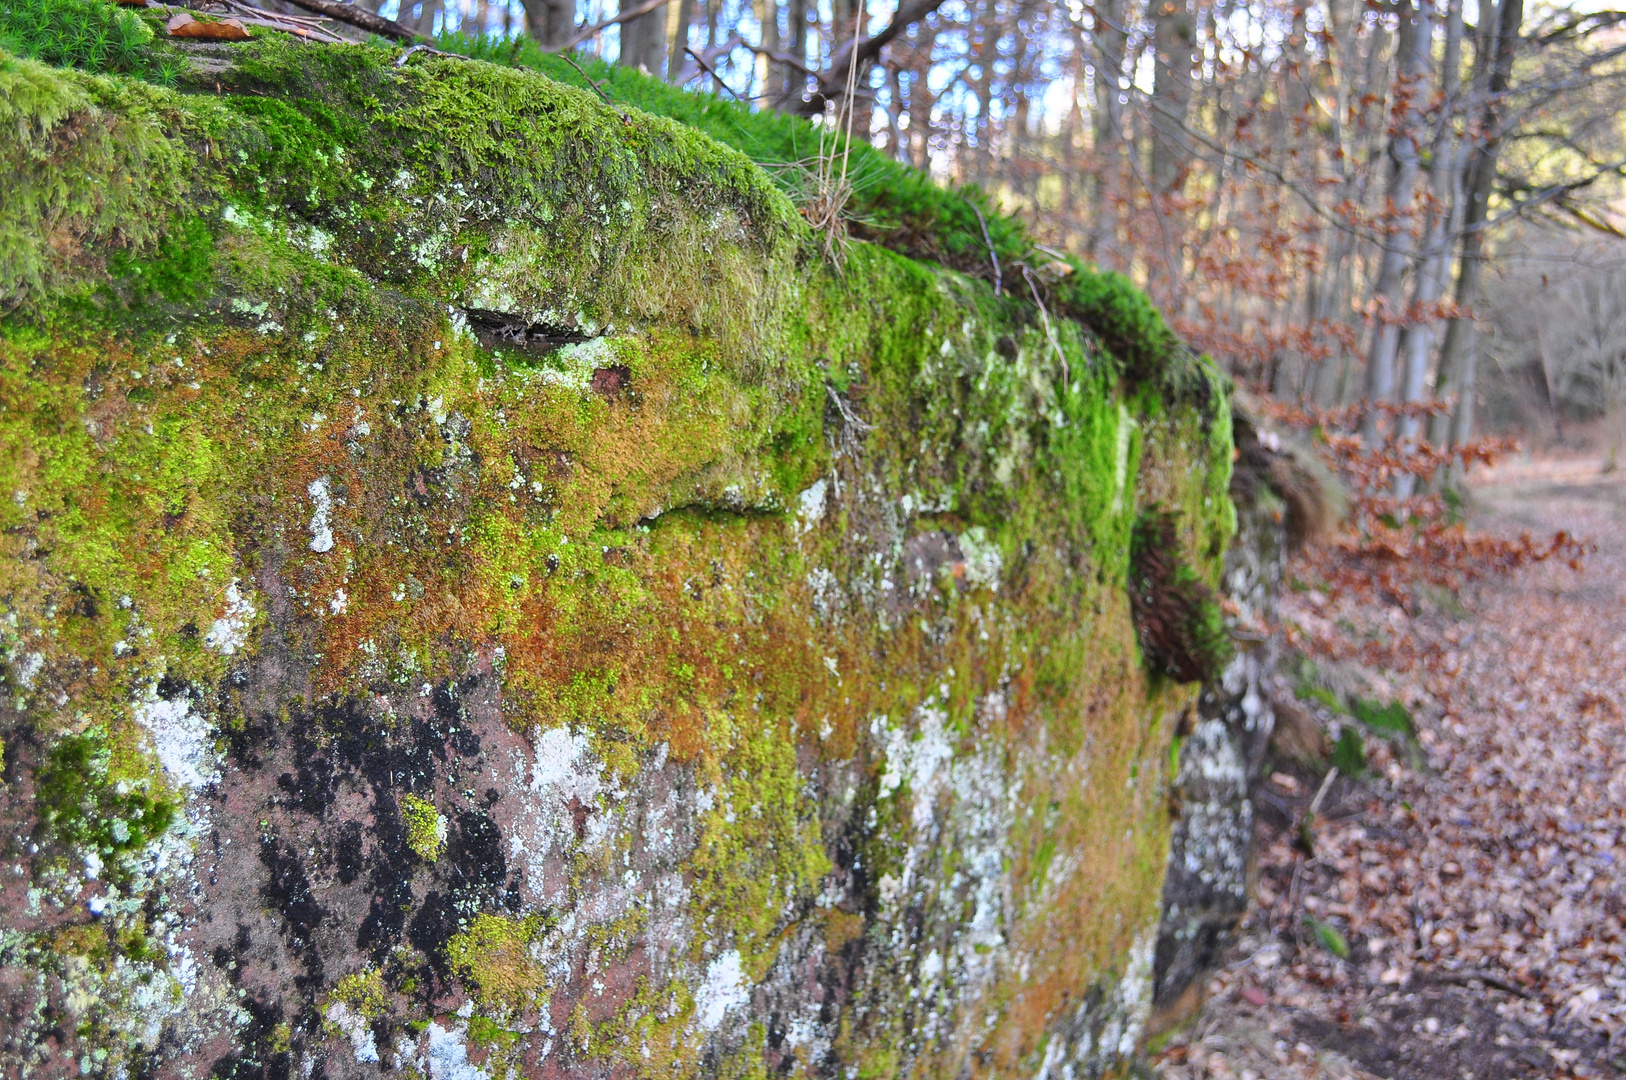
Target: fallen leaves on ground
[[1476, 878]]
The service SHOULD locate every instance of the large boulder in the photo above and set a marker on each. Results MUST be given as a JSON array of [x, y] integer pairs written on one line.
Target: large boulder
[[482, 594]]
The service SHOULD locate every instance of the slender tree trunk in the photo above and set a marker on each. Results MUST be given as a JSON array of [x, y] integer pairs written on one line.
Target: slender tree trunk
[[920, 113], [550, 21], [643, 40], [677, 62], [1416, 35], [1417, 339], [1110, 48], [987, 56], [1458, 355], [796, 45], [1174, 32], [896, 142], [773, 82], [425, 23]]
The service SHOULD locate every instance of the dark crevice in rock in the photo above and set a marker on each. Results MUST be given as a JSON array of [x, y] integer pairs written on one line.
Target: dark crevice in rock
[[496, 329]]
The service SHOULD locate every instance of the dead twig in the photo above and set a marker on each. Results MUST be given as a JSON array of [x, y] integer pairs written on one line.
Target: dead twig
[[993, 255], [597, 89], [1464, 978], [706, 59], [1049, 331], [846, 410], [360, 18], [863, 50]]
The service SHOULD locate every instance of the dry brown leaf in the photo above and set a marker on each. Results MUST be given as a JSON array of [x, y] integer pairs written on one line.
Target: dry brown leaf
[[185, 26]]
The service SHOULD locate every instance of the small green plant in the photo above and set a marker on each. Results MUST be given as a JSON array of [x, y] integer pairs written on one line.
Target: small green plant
[[1313, 692], [1328, 937], [1349, 752], [1391, 717], [92, 798], [363, 991], [88, 34], [495, 960], [486, 1032], [425, 827]]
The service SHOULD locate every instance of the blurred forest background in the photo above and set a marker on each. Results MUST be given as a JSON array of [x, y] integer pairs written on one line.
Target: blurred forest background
[[1341, 200]]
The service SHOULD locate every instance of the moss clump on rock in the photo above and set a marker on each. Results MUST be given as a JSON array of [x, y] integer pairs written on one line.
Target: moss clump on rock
[[497, 957], [425, 827]]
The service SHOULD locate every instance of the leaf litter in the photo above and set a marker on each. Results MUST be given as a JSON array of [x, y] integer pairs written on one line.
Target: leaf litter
[[1457, 910]]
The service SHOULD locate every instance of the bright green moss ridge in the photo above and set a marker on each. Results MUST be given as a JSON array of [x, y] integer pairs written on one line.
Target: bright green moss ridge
[[237, 350]]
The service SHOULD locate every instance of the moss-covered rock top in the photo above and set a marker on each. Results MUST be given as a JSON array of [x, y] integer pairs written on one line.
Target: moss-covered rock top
[[481, 594]]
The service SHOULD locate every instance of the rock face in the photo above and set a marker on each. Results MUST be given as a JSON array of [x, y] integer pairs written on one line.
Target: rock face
[[1208, 886], [482, 596]]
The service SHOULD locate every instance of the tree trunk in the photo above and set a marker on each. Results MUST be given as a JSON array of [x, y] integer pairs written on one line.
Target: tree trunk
[[1457, 356], [1111, 44], [773, 81], [1445, 183], [1416, 36], [549, 21], [796, 45], [643, 40], [987, 52], [1173, 40], [682, 19]]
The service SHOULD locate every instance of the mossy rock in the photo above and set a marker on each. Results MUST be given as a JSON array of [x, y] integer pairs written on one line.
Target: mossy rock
[[389, 441]]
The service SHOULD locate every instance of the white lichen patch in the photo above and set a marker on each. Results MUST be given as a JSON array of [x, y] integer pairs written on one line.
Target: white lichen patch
[[810, 505], [354, 1026], [724, 987], [1120, 460], [447, 1055], [1133, 997], [181, 739], [230, 632], [321, 524], [983, 561], [572, 367], [918, 760]]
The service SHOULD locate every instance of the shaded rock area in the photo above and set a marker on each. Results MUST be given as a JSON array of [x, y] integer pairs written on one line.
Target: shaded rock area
[[501, 604], [1222, 753]]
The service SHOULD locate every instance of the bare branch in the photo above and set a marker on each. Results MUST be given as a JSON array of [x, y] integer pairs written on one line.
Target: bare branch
[[360, 18], [863, 51], [588, 32]]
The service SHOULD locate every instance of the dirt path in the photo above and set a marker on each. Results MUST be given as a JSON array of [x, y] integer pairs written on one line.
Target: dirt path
[[1461, 913]]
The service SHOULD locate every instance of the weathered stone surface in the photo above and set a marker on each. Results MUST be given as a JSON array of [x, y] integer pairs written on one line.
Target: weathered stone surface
[[1209, 882], [493, 601]]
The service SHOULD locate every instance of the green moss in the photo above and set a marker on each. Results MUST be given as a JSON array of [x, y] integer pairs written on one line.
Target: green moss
[[1182, 629], [495, 959], [628, 530], [89, 34], [1130, 327], [363, 992], [425, 827], [1349, 752], [1391, 717], [129, 175], [98, 795]]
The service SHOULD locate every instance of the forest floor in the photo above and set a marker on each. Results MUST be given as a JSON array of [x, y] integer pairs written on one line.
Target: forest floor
[[1459, 912]]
